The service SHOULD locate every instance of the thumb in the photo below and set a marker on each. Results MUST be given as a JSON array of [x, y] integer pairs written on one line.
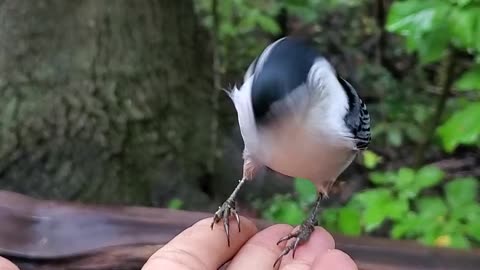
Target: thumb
[[198, 247], [7, 265]]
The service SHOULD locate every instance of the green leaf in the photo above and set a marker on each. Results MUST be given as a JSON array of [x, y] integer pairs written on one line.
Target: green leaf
[[429, 226], [370, 159], [396, 209], [459, 241], [349, 221], [406, 227], [378, 178], [405, 182], [399, 230], [434, 45], [305, 189], [463, 127], [329, 219], [227, 30], [373, 217], [464, 29], [424, 25], [372, 196], [462, 2], [469, 212], [288, 212], [461, 192], [428, 176], [381, 178], [472, 212], [268, 24], [409, 17], [451, 225], [473, 230], [373, 202], [470, 80], [430, 238], [297, 3], [308, 14], [431, 208], [175, 204]]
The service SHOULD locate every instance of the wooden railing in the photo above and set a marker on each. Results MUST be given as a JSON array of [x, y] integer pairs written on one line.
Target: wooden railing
[[52, 235]]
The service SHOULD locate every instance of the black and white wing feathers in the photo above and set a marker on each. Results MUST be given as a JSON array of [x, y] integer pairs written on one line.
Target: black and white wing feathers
[[357, 118]]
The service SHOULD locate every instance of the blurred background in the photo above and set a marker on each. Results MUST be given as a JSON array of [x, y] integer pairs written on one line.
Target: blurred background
[[120, 102]]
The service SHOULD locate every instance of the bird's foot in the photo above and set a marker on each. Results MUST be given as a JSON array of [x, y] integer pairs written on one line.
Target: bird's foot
[[224, 212], [301, 235]]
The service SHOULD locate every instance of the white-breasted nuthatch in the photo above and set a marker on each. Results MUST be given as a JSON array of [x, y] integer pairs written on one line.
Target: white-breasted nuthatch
[[298, 117]]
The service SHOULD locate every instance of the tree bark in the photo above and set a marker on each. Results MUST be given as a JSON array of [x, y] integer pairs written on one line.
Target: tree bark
[[101, 99]]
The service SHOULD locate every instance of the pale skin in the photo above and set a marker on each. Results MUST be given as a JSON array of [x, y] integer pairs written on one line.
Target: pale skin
[[198, 248]]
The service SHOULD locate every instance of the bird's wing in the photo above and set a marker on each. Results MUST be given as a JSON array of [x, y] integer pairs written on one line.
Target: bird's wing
[[357, 118], [363, 135]]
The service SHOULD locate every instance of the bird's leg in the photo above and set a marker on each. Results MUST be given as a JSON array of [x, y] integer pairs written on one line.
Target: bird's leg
[[227, 209], [303, 233]]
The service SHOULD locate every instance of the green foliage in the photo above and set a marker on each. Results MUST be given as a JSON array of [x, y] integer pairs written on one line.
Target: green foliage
[[349, 221], [306, 190], [175, 204], [291, 210], [470, 80], [423, 24], [431, 26], [371, 159], [283, 209], [445, 222], [240, 16], [430, 29], [461, 193], [376, 204], [432, 219], [463, 127]]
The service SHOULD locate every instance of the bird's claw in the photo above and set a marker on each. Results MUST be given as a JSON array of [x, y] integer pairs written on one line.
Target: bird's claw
[[301, 236], [224, 212]]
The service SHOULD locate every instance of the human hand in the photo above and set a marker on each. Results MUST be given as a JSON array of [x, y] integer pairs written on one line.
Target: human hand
[[7, 265], [199, 248]]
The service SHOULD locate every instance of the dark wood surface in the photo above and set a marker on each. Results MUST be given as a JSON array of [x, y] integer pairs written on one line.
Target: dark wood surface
[[59, 235]]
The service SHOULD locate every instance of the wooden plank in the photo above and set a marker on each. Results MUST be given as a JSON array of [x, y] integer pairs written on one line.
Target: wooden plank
[[59, 235]]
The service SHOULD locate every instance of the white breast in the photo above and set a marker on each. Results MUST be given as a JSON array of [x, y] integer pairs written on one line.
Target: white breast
[[291, 149]]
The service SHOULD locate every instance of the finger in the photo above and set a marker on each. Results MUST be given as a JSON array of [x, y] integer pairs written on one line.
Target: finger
[[319, 242], [261, 251], [7, 265], [199, 247], [334, 259]]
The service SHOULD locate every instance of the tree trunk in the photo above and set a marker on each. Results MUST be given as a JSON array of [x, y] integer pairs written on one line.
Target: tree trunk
[[102, 99]]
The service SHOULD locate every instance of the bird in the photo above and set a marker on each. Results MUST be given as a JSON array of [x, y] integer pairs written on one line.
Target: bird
[[299, 117]]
